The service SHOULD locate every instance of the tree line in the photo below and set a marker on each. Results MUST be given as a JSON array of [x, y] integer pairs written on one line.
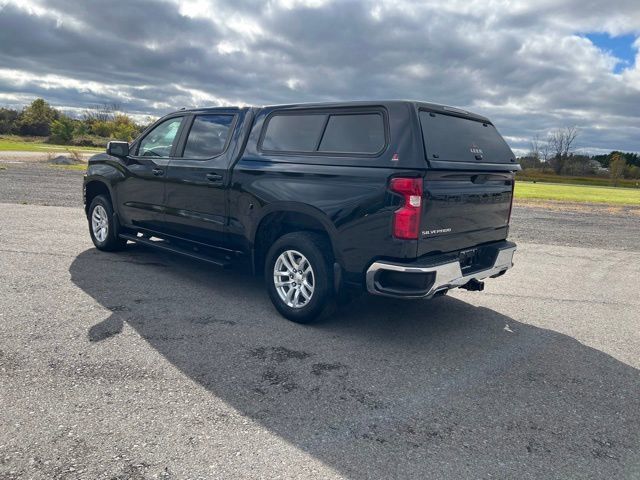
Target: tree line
[[96, 125], [556, 154]]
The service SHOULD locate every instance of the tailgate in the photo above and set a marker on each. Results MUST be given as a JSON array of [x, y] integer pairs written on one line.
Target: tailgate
[[462, 209]]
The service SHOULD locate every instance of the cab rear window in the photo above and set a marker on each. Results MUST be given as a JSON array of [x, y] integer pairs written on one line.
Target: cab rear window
[[458, 139], [325, 133]]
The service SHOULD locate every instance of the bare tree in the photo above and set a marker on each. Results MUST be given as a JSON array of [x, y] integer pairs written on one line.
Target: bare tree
[[534, 148], [539, 151], [560, 143], [544, 152], [101, 113]]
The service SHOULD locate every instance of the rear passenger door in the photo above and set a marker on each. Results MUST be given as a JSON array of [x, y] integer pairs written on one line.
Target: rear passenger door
[[197, 178]]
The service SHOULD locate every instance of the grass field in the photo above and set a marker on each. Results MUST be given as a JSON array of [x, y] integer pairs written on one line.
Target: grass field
[[17, 144], [577, 193], [546, 177]]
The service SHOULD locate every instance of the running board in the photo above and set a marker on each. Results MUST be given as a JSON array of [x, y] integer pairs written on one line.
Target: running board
[[167, 247]]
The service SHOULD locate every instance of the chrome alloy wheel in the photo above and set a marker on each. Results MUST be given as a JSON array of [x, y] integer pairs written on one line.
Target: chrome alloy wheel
[[293, 278], [100, 223]]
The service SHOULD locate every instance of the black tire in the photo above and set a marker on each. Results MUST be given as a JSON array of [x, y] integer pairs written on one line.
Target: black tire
[[317, 252], [111, 242]]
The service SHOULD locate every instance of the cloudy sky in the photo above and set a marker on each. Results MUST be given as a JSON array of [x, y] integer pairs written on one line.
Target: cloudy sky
[[530, 66]]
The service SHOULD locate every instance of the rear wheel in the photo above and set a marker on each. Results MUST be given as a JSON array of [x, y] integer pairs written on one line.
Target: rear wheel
[[102, 225], [298, 276]]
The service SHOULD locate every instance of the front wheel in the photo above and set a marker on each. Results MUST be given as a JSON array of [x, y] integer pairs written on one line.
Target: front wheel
[[298, 276], [102, 225]]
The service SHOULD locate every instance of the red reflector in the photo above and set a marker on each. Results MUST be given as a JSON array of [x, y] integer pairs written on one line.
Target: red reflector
[[513, 188], [409, 186], [406, 222]]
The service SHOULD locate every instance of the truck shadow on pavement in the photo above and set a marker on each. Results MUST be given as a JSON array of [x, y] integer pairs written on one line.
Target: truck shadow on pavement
[[383, 389]]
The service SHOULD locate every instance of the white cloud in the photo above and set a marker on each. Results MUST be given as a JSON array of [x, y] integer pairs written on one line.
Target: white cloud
[[294, 83], [525, 64], [290, 4]]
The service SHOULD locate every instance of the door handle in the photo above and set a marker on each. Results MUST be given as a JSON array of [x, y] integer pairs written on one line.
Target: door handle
[[214, 177], [157, 172]]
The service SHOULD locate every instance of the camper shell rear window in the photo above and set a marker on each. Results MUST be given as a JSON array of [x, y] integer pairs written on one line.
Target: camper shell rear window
[[462, 139]]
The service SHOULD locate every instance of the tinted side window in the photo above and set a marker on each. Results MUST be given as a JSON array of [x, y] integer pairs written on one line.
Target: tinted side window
[[208, 136], [362, 133], [293, 133], [159, 141]]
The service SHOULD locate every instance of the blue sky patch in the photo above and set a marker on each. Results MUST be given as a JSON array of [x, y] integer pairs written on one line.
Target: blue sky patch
[[620, 47]]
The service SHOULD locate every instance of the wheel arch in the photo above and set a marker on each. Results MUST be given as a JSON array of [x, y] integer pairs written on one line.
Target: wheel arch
[[94, 187], [286, 217]]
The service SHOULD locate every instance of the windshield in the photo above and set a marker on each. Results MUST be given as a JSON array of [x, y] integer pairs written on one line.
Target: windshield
[[451, 138]]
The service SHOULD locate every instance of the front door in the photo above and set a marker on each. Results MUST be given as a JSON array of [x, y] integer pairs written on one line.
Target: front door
[[142, 191], [197, 177]]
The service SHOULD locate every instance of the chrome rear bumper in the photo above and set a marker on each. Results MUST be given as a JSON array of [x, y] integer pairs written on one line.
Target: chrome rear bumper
[[444, 274]]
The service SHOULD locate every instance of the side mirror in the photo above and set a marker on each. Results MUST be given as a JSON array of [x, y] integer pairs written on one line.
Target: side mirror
[[118, 149]]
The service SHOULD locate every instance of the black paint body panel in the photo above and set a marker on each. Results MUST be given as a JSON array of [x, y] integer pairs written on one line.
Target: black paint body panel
[[347, 195]]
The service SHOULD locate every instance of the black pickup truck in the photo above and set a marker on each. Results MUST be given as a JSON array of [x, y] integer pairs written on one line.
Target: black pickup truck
[[398, 198]]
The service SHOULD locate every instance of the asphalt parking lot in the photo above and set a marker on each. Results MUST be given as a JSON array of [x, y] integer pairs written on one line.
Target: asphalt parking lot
[[142, 365]]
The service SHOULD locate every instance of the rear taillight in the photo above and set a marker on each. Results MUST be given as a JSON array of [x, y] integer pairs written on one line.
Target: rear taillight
[[406, 222]]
